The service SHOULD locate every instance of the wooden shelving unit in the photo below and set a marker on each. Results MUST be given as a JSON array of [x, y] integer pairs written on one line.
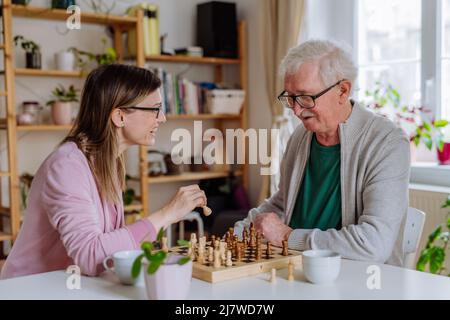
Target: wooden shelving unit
[[120, 25]]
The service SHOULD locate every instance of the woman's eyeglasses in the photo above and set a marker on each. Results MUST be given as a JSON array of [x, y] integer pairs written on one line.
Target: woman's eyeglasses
[[156, 111]]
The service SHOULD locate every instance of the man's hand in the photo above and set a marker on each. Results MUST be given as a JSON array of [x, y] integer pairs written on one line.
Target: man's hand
[[272, 228]]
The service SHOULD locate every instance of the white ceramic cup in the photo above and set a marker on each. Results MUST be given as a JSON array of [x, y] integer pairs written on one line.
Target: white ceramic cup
[[321, 266], [122, 264]]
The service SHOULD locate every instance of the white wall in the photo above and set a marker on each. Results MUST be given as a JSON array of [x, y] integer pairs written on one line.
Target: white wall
[[177, 18]]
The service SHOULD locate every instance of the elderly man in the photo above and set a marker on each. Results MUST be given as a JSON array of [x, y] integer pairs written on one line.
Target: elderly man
[[345, 171]]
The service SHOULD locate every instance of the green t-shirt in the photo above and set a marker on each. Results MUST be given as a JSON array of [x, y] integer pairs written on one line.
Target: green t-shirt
[[318, 202]]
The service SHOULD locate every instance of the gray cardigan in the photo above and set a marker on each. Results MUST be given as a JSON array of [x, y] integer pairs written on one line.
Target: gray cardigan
[[375, 165]]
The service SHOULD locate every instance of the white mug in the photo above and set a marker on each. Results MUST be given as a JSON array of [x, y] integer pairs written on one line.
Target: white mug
[[123, 262], [321, 266]]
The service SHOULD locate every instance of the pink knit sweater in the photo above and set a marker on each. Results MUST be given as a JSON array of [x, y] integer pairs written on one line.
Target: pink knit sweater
[[67, 223]]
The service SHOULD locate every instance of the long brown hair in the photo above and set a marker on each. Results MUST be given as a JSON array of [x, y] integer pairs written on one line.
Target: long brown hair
[[108, 87]]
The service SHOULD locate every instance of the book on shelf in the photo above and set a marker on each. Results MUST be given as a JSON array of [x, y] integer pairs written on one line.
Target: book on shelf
[[150, 30], [180, 95]]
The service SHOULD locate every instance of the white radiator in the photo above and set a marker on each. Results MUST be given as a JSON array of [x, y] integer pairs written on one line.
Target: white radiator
[[429, 199]]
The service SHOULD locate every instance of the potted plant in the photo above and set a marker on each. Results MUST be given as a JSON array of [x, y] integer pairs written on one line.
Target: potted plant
[[62, 104], [84, 57], [32, 51], [166, 276], [386, 100], [436, 248], [62, 4]]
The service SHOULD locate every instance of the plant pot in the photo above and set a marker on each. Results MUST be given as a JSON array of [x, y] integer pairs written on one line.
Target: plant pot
[[170, 282], [62, 4], [33, 60], [65, 61], [62, 113], [444, 155]]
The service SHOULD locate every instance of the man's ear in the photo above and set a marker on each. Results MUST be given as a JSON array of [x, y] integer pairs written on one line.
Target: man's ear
[[117, 118], [345, 88]]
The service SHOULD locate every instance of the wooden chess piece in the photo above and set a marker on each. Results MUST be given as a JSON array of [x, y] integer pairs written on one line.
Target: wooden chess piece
[[269, 249], [258, 252], [210, 254], [206, 211], [223, 249], [231, 231], [213, 239], [290, 271], [285, 251], [273, 276], [229, 263], [164, 246], [217, 263], [238, 253]]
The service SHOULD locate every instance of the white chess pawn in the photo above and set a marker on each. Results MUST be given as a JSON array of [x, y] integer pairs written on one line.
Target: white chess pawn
[[290, 271], [210, 254], [222, 248], [273, 276], [229, 263], [217, 263]]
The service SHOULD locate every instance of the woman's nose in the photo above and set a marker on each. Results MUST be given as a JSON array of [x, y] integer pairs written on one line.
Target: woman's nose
[[161, 117]]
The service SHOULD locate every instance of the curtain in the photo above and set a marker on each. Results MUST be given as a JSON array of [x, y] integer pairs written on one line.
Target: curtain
[[280, 29]]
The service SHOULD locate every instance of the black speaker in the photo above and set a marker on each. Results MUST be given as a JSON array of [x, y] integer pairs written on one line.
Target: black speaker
[[217, 29]]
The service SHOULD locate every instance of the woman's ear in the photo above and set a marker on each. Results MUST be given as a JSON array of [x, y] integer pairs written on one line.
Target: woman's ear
[[117, 118]]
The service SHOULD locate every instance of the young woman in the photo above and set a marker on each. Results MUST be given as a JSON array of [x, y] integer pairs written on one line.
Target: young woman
[[75, 209]]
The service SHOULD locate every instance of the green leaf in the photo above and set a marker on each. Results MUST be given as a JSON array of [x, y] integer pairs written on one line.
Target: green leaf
[[183, 260], [423, 260], [437, 259], [435, 234], [160, 255], [416, 140], [427, 126], [441, 145], [429, 144], [147, 246], [183, 243], [136, 268], [440, 123], [153, 267], [160, 234]]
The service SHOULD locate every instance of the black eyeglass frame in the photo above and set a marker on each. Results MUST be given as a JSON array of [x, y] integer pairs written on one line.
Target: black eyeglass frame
[[157, 110], [313, 97]]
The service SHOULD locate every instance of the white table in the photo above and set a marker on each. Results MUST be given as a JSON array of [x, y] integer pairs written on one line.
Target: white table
[[396, 283]]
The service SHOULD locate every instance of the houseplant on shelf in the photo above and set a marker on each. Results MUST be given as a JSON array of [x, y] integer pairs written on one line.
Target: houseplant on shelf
[[436, 248], [167, 276], [386, 100], [62, 104], [32, 51], [83, 58]]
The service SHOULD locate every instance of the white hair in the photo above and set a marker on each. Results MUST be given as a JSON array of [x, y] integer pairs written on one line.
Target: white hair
[[335, 61]]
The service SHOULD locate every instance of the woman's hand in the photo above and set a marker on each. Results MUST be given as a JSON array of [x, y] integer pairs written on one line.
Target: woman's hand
[[186, 199]]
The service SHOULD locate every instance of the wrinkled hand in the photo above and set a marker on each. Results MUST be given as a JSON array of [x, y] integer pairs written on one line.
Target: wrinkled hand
[[272, 228]]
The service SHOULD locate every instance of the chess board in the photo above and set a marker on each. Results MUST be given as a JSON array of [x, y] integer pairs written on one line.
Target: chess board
[[248, 266]]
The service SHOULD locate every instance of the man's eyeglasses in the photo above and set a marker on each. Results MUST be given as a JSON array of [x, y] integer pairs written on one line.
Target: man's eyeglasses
[[156, 111], [303, 100]]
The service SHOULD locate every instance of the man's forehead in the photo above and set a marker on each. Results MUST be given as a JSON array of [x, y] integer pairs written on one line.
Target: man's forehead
[[305, 79]]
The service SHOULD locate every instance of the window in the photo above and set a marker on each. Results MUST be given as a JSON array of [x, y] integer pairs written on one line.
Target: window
[[389, 46], [445, 60]]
